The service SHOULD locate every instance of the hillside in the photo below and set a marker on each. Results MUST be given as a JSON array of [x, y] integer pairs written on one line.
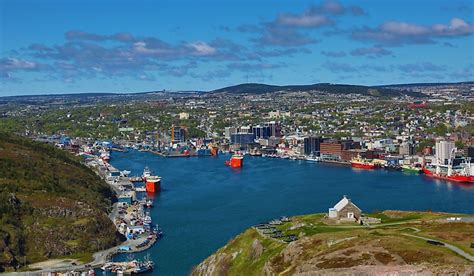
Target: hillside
[[324, 247], [257, 88], [50, 205]]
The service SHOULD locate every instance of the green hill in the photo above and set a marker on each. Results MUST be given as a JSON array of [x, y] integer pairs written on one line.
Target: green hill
[[325, 247], [258, 88], [51, 205]]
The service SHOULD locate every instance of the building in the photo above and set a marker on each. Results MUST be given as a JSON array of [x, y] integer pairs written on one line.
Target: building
[[331, 148], [242, 138], [443, 151], [261, 132], [275, 128], [228, 131], [345, 209], [183, 115], [178, 134], [470, 152], [312, 145], [406, 148]]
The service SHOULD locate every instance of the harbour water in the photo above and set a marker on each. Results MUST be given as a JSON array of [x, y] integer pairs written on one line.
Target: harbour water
[[203, 203]]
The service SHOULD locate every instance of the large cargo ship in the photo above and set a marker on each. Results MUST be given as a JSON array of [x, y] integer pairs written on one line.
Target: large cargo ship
[[455, 169], [362, 163], [236, 161], [152, 183], [462, 172]]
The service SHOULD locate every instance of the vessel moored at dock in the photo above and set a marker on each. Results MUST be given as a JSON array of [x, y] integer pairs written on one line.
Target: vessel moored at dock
[[461, 172], [152, 182], [362, 163]]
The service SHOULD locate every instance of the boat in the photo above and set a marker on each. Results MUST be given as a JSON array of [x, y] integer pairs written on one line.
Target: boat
[[105, 155], [152, 182], [146, 173], [147, 219], [130, 267], [363, 163], [462, 172], [125, 173], [236, 161], [415, 168], [313, 158], [149, 203]]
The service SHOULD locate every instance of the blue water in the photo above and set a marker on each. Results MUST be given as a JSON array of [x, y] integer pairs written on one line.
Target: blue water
[[203, 203]]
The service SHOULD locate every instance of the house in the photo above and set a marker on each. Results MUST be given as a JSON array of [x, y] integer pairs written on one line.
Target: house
[[345, 210]]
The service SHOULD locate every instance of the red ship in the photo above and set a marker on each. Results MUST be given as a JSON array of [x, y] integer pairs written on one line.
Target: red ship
[[453, 177], [462, 172], [363, 164], [236, 161], [152, 183]]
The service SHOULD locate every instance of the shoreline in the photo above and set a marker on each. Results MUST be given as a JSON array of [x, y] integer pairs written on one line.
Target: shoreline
[[99, 257]]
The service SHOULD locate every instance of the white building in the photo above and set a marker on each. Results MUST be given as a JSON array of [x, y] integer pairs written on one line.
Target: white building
[[228, 131], [443, 151], [345, 210], [183, 115]]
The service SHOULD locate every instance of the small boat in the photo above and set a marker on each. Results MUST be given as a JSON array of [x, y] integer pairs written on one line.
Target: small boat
[[147, 219], [149, 203]]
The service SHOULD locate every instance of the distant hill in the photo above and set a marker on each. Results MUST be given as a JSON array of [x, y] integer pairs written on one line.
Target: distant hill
[[257, 88], [50, 205], [427, 84]]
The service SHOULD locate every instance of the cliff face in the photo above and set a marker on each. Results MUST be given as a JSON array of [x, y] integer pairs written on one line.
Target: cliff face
[[50, 205], [333, 249]]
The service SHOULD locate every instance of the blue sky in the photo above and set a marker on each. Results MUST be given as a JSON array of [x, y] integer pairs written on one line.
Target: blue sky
[[126, 46]]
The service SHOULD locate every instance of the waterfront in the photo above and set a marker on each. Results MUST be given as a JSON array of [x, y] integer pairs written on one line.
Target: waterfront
[[204, 203]]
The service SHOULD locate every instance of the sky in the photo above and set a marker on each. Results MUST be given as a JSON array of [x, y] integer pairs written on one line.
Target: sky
[[50, 47]]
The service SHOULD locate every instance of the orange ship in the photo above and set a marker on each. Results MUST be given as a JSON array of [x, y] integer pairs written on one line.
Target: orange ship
[[152, 183], [236, 161]]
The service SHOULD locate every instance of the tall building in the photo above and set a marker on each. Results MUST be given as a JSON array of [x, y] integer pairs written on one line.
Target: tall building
[[443, 151], [242, 138], [261, 132], [406, 148], [312, 145], [228, 131], [275, 128], [470, 152], [178, 134]]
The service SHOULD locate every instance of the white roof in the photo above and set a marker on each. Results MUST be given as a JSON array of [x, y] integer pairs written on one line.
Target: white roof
[[342, 203]]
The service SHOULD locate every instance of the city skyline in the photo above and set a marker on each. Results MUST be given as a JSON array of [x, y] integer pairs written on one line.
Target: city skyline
[[123, 46]]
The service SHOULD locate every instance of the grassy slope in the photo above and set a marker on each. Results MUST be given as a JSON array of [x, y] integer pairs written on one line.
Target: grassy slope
[[50, 205], [381, 245]]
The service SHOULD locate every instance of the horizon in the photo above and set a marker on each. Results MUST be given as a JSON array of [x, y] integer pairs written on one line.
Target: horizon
[[75, 47], [208, 91]]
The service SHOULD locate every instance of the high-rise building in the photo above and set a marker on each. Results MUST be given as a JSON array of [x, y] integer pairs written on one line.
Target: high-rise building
[[275, 128], [228, 131], [178, 134], [470, 152], [443, 151], [261, 132], [312, 145], [406, 148], [242, 138]]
